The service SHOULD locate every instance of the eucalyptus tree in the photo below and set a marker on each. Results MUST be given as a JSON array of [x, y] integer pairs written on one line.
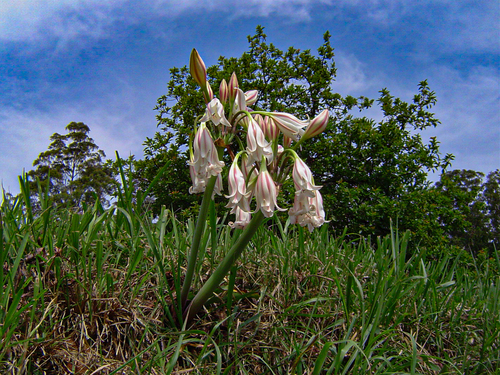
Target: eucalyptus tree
[[72, 169]]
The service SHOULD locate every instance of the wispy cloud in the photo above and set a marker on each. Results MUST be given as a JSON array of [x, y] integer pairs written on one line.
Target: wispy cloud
[[468, 107], [116, 124], [66, 20]]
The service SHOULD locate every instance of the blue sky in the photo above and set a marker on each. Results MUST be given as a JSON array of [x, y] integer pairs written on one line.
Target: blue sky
[[105, 63]]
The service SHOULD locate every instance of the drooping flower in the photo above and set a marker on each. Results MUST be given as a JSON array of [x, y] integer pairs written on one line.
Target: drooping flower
[[307, 210], [303, 178], [199, 184], [289, 125], [204, 161], [265, 192], [215, 113], [317, 125], [242, 219], [257, 146], [197, 68], [237, 189]]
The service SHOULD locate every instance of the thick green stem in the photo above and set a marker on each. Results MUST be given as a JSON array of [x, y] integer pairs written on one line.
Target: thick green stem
[[224, 267], [198, 233]]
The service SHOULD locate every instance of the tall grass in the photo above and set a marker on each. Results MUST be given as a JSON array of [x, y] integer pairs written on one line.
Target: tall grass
[[93, 292]]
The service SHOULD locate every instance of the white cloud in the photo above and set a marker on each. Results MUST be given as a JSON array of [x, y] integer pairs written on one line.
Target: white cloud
[[115, 124], [66, 20], [353, 76], [469, 109], [32, 20]]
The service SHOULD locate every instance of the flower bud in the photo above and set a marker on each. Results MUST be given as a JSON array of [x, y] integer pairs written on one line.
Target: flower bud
[[270, 129], [223, 92], [208, 91], [197, 68], [233, 86], [317, 125], [251, 97]]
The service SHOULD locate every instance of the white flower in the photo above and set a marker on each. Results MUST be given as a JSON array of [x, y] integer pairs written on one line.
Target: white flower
[[257, 146], [199, 184], [237, 189], [215, 113], [265, 193], [307, 210], [240, 103], [289, 125], [204, 161], [242, 219], [302, 177]]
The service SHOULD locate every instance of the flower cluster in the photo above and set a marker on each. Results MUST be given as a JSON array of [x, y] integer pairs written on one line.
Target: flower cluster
[[268, 142]]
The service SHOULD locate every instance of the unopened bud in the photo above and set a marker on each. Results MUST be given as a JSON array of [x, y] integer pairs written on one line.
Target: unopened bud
[[251, 97], [197, 68], [209, 92], [233, 86], [317, 125], [271, 131], [223, 92]]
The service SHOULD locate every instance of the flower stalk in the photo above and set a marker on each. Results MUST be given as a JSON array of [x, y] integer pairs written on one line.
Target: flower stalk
[[267, 143], [198, 233], [224, 267]]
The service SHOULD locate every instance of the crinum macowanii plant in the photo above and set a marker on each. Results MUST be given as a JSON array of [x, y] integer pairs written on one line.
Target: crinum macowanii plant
[[267, 143]]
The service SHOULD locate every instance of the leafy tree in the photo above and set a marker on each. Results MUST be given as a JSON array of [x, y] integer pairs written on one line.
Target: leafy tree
[[370, 172], [491, 196], [373, 172], [472, 222], [73, 169], [295, 81]]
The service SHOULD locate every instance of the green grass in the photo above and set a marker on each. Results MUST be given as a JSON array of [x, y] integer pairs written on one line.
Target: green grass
[[93, 293]]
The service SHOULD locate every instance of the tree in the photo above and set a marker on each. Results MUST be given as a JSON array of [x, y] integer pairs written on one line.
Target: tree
[[491, 196], [472, 222], [73, 169], [295, 81], [371, 172]]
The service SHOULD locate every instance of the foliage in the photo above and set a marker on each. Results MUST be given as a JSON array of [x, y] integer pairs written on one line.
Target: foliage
[[472, 222], [293, 81], [371, 171], [73, 168], [91, 293]]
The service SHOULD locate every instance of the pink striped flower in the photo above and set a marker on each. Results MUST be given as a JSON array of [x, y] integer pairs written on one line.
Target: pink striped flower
[[266, 193], [303, 178], [215, 113], [307, 211], [204, 161], [237, 189], [242, 219], [257, 146], [289, 125]]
